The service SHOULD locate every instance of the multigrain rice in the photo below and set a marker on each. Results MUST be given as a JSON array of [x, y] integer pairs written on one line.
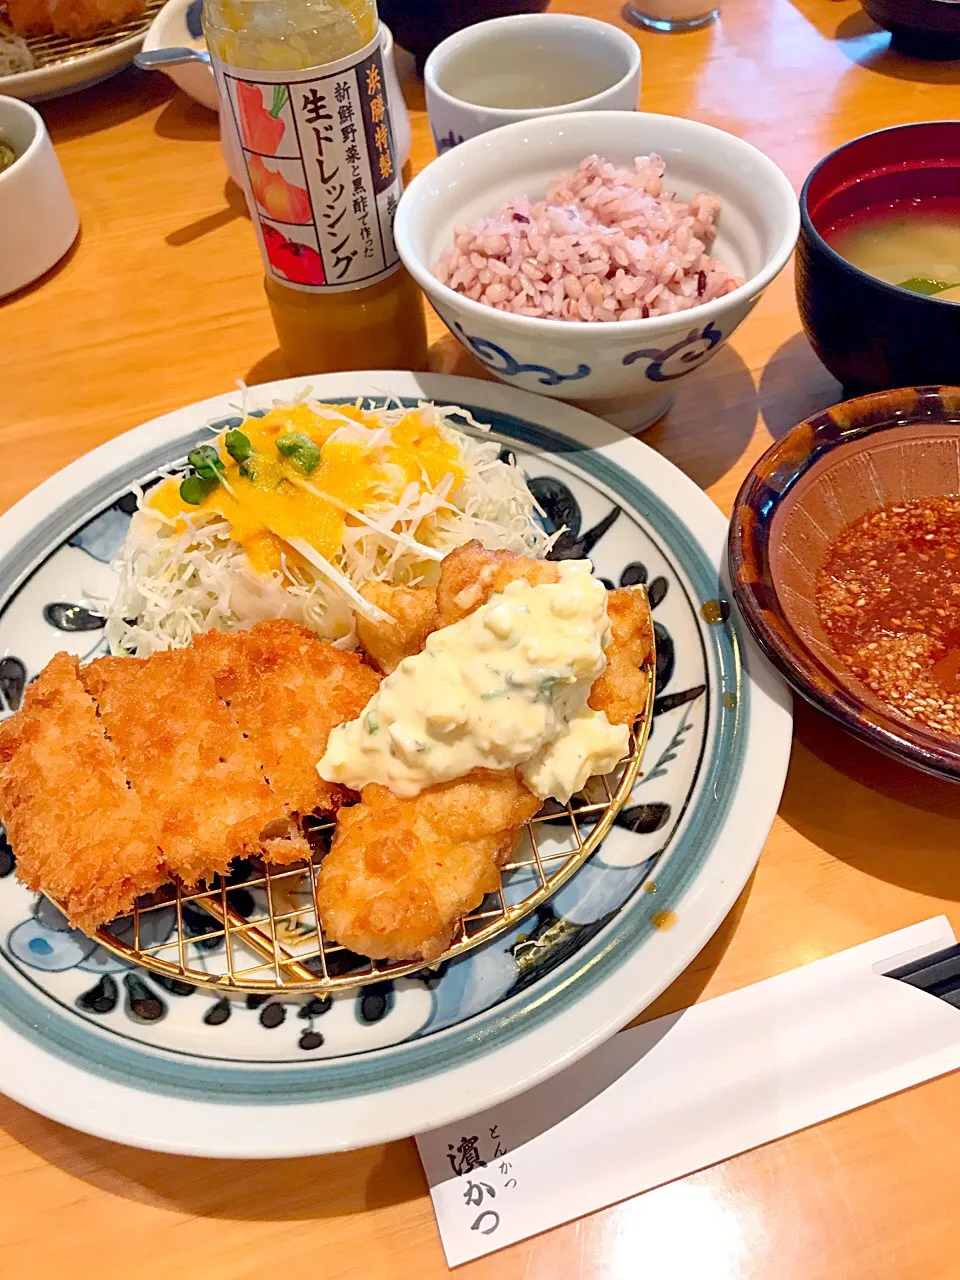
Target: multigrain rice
[[606, 244]]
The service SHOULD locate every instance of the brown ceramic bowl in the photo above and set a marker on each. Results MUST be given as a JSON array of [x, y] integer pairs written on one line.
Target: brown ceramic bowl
[[860, 455]]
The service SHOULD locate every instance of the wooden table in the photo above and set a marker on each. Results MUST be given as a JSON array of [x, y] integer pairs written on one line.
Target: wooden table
[[161, 304]]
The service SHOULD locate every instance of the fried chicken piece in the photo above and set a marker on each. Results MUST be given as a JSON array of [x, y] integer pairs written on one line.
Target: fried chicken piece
[[621, 692], [186, 757], [79, 832], [470, 575], [287, 689], [69, 17], [401, 872], [415, 612]]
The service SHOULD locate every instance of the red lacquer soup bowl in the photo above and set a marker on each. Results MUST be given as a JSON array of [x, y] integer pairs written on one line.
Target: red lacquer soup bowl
[[869, 334]]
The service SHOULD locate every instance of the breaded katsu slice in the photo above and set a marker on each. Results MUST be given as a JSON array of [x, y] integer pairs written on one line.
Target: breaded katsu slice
[[286, 689], [183, 752], [78, 830], [414, 610], [69, 17], [401, 872]]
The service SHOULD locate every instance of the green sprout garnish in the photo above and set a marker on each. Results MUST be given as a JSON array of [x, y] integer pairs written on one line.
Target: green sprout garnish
[[372, 725], [238, 446], [301, 451], [206, 462], [194, 489], [205, 467]]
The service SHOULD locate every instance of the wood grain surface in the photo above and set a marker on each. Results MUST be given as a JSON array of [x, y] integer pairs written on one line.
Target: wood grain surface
[[160, 304]]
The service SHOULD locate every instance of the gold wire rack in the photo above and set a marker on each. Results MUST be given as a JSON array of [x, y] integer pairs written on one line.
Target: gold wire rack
[[275, 943], [54, 50]]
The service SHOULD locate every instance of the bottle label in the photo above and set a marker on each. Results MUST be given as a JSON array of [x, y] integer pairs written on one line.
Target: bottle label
[[320, 168]]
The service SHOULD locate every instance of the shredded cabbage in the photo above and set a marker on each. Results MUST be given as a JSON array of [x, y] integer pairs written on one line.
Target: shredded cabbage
[[175, 583]]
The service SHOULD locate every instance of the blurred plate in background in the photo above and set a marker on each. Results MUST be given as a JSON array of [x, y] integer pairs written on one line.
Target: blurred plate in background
[[65, 64]]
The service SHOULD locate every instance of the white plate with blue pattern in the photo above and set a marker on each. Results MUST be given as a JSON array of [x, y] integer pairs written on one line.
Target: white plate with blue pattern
[[118, 1052]]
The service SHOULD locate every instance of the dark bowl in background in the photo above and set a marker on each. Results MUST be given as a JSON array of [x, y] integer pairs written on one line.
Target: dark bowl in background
[[874, 336], [420, 25], [919, 28]]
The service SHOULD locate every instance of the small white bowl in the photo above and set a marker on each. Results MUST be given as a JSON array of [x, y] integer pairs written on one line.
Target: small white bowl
[[178, 25], [609, 55], [624, 370], [38, 219]]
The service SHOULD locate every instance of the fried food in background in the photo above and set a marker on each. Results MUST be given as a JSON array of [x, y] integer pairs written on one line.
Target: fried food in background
[[401, 873], [75, 18]]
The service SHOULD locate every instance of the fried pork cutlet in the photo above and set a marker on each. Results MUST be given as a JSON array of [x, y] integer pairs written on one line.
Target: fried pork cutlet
[[69, 17], [188, 760], [414, 610], [401, 873], [286, 690], [119, 776], [79, 832]]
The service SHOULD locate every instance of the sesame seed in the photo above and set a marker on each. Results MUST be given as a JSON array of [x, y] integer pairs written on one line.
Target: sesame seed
[[888, 598]]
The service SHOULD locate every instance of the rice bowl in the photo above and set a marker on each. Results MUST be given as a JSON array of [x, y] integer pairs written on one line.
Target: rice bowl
[[625, 371], [607, 243]]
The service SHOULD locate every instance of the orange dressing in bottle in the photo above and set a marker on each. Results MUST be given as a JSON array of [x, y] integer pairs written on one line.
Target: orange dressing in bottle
[[302, 91]]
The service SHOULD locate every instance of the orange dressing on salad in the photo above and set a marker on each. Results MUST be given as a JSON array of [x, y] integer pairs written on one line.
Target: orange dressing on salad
[[276, 501]]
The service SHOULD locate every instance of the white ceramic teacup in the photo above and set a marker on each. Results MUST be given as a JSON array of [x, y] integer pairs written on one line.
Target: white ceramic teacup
[[38, 219], [527, 65]]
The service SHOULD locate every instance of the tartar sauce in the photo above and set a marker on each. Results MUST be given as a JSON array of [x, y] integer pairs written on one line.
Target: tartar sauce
[[505, 687]]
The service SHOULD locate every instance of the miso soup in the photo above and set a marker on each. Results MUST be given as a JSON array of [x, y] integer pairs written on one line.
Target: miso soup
[[913, 244]]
